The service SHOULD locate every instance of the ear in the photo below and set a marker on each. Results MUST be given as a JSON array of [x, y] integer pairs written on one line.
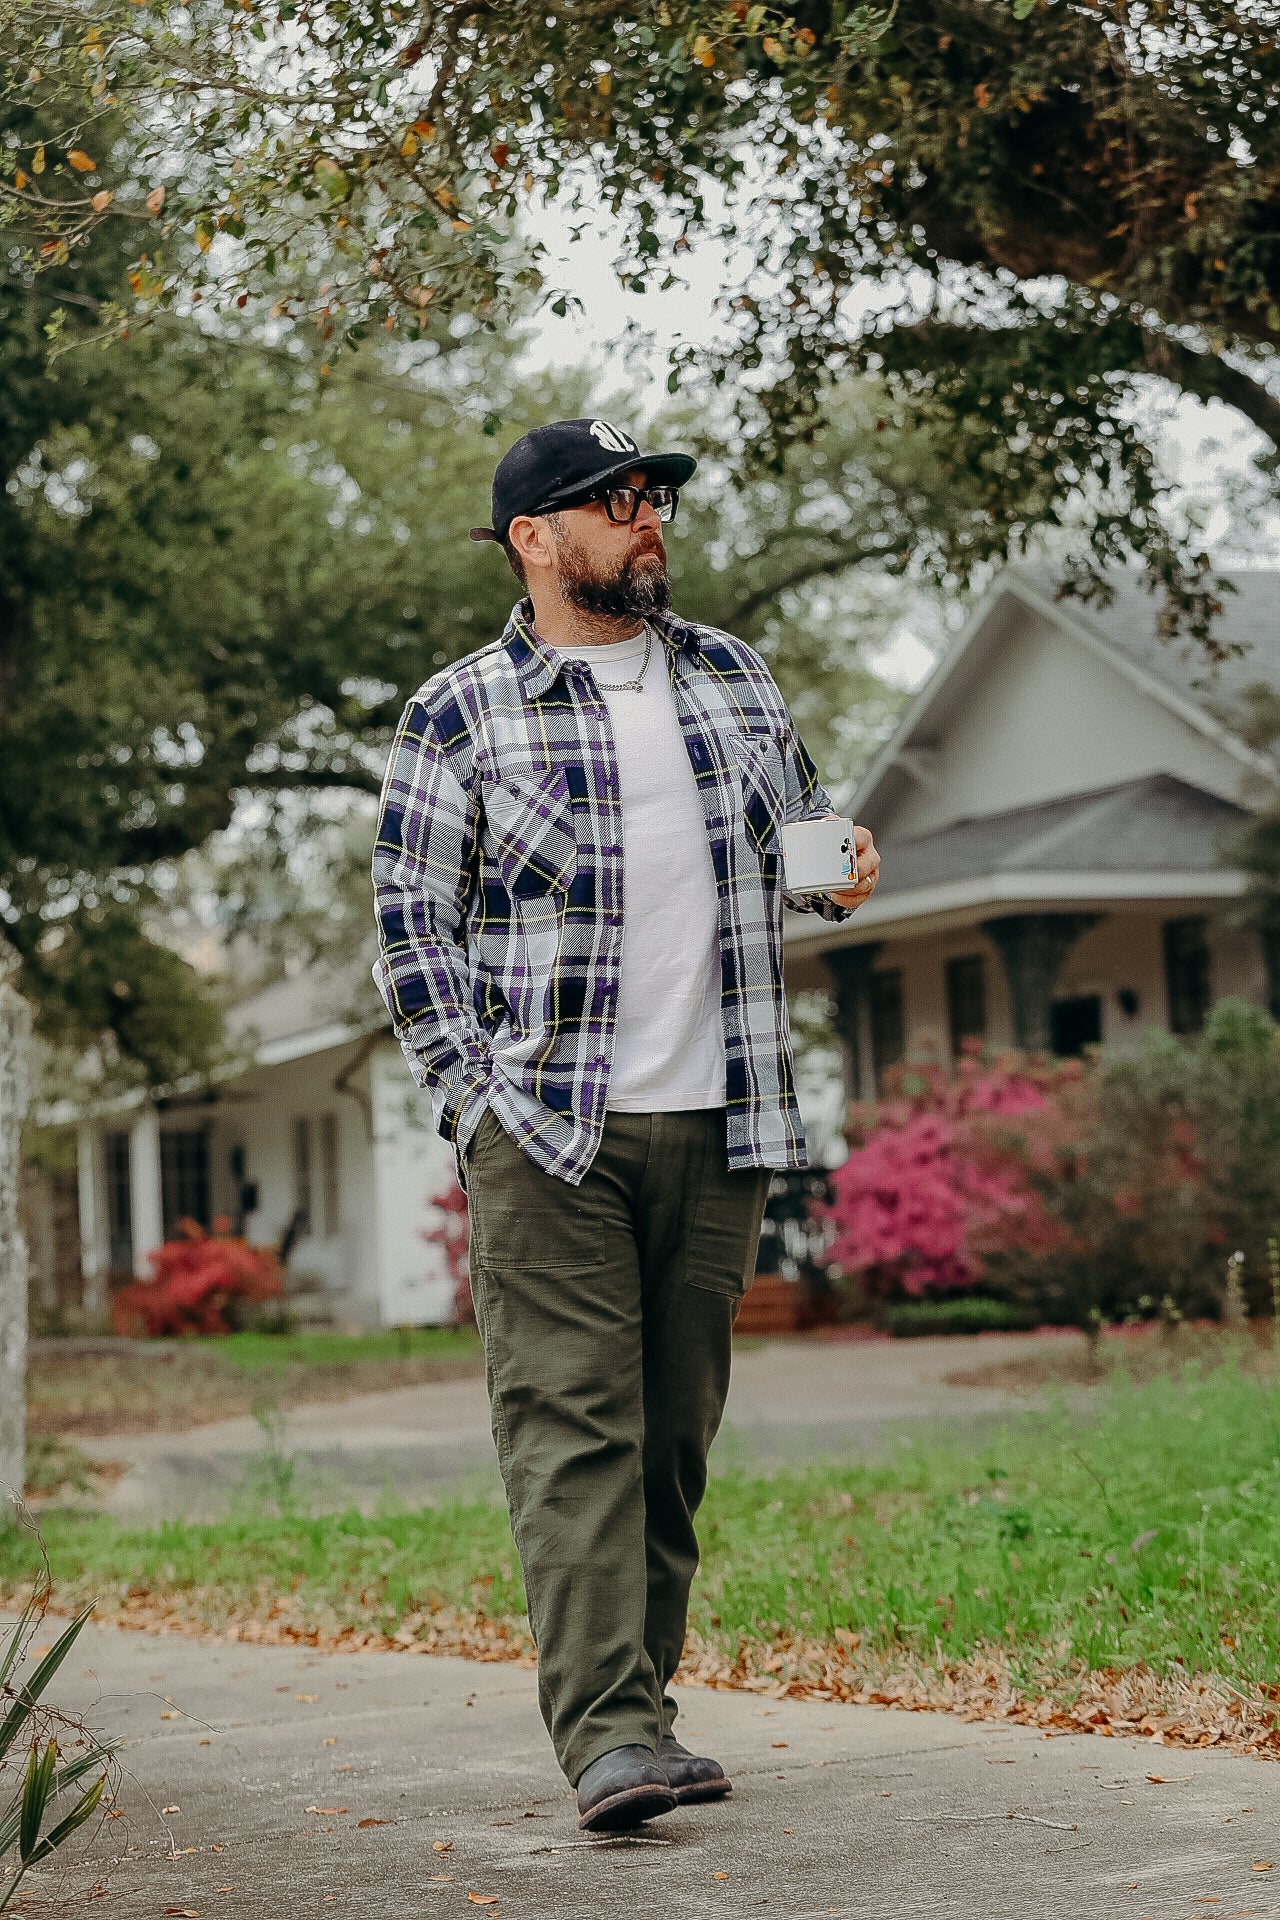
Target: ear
[[532, 541]]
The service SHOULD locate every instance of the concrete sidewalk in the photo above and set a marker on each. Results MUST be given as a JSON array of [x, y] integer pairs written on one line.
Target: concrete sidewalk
[[790, 1400], [250, 1770]]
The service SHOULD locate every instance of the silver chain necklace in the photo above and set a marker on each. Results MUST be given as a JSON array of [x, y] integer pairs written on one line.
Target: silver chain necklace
[[636, 685]]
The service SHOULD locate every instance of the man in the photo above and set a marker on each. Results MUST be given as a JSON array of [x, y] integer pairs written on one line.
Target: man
[[580, 910]]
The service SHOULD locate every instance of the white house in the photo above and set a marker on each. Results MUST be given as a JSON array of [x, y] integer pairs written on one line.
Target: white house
[[1052, 812], [322, 1137]]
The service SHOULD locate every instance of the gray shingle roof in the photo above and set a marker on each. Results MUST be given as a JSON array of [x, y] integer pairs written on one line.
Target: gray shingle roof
[[1145, 826]]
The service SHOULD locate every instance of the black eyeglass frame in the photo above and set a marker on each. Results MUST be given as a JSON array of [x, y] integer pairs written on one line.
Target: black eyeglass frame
[[604, 496]]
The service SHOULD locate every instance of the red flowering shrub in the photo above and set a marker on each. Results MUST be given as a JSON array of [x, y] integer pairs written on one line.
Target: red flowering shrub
[[453, 1232], [201, 1283], [941, 1173]]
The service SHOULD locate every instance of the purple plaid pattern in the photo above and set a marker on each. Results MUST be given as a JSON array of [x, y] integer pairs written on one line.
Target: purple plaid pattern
[[499, 887]]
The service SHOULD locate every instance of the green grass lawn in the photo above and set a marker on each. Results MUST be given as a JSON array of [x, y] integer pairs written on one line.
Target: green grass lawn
[[1145, 1534], [260, 1352], [167, 1386]]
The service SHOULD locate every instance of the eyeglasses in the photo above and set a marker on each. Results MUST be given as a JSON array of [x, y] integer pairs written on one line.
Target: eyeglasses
[[622, 504]]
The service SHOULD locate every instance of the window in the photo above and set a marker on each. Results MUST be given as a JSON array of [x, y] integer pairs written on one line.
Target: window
[[115, 1157], [184, 1177], [316, 1173], [1074, 1024], [302, 1199], [1186, 972], [966, 999], [329, 1171], [887, 1035]]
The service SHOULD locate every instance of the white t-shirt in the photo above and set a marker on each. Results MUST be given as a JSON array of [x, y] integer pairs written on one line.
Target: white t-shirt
[[668, 1054]]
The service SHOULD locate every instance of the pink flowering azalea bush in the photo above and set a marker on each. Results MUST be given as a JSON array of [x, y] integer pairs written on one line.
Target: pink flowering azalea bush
[[942, 1173], [200, 1282], [1081, 1192]]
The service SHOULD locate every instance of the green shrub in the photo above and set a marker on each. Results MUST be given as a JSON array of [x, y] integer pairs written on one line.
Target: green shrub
[[968, 1313]]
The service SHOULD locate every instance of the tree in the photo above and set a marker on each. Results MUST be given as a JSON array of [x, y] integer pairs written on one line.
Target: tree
[[221, 575], [230, 569], [1013, 209]]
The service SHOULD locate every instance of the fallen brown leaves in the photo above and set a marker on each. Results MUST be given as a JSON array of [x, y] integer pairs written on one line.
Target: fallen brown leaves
[[1182, 1711], [1171, 1710]]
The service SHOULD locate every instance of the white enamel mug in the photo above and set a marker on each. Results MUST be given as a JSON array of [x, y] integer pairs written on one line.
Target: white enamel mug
[[819, 856]]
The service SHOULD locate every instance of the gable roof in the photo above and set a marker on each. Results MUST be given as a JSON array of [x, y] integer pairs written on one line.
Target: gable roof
[[1176, 673], [1153, 839], [1250, 619], [1154, 825], [307, 1012]]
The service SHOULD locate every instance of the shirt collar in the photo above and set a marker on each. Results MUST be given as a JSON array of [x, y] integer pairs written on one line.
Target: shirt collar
[[538, 666]]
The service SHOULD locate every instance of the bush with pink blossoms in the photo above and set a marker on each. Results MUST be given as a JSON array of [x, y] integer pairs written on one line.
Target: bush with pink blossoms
[[941, 1174]]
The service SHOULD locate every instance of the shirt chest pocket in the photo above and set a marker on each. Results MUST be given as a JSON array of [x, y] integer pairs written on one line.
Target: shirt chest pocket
[[758, 758], [529, 820]]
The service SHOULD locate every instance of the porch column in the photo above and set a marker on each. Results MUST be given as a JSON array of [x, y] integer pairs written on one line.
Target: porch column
[[1032, 948], [145, 1194], [95, 1251], [851, 969]]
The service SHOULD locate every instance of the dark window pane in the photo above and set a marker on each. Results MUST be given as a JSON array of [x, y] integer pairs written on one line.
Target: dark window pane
[[1076, 1023], [887, 1037], [329, 1171], [1186, 972], [115, 1155], [966, 999], [302, 1195], [184, 1178]]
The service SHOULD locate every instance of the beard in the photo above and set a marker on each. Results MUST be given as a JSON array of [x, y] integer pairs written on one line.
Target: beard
[[639, 587]]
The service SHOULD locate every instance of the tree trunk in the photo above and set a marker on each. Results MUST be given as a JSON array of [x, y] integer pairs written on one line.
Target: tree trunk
[[15, 1039]]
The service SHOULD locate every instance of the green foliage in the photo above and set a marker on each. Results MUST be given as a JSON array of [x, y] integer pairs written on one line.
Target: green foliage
[[969, 1313], [259, 1352], [1145, 1533], [1169, 1162], [23, 1813], [1018, 211]]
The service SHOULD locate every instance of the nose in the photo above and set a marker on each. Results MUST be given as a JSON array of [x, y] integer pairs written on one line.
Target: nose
[[647, 518]]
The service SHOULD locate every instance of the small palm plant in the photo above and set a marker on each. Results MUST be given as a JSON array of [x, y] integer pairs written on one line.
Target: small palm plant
[[44, 1780]]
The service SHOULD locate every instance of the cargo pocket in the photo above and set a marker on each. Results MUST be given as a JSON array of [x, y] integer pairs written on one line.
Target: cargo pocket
[[720, 1253], [530, 822]]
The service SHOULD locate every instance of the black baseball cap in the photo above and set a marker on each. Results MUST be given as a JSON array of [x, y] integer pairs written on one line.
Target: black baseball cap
[[567, 458]]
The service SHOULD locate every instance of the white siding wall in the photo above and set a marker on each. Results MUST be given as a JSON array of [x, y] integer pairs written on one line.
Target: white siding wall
[[412, 1166], [1043, 716], [375, 1267]]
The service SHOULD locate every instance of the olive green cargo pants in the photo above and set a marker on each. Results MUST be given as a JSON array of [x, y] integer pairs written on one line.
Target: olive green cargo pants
[[607, 1312]]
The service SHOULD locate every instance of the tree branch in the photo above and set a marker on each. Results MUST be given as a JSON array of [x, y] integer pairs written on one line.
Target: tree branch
[[835, 560], [355, 779]]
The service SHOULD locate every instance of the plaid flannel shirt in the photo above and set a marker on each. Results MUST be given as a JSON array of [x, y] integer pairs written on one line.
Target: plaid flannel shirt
[[498, 880]]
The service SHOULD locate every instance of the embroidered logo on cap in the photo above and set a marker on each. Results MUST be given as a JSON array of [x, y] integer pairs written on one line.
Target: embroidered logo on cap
[[612, 437]]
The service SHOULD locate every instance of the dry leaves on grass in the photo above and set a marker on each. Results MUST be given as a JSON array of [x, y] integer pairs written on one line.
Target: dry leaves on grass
[[1180, 1710]]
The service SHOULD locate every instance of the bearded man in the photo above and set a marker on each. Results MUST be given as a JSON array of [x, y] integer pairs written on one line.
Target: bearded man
[[580, 898]]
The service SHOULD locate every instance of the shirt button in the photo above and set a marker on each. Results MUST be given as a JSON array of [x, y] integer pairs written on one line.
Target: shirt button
[[601, 1060]]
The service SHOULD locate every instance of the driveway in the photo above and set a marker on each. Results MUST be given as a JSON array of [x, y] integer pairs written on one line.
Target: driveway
[[791, 1400]]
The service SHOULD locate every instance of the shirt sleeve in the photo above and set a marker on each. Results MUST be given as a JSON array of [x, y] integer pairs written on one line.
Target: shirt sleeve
[[807, 799], [424, 870]]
